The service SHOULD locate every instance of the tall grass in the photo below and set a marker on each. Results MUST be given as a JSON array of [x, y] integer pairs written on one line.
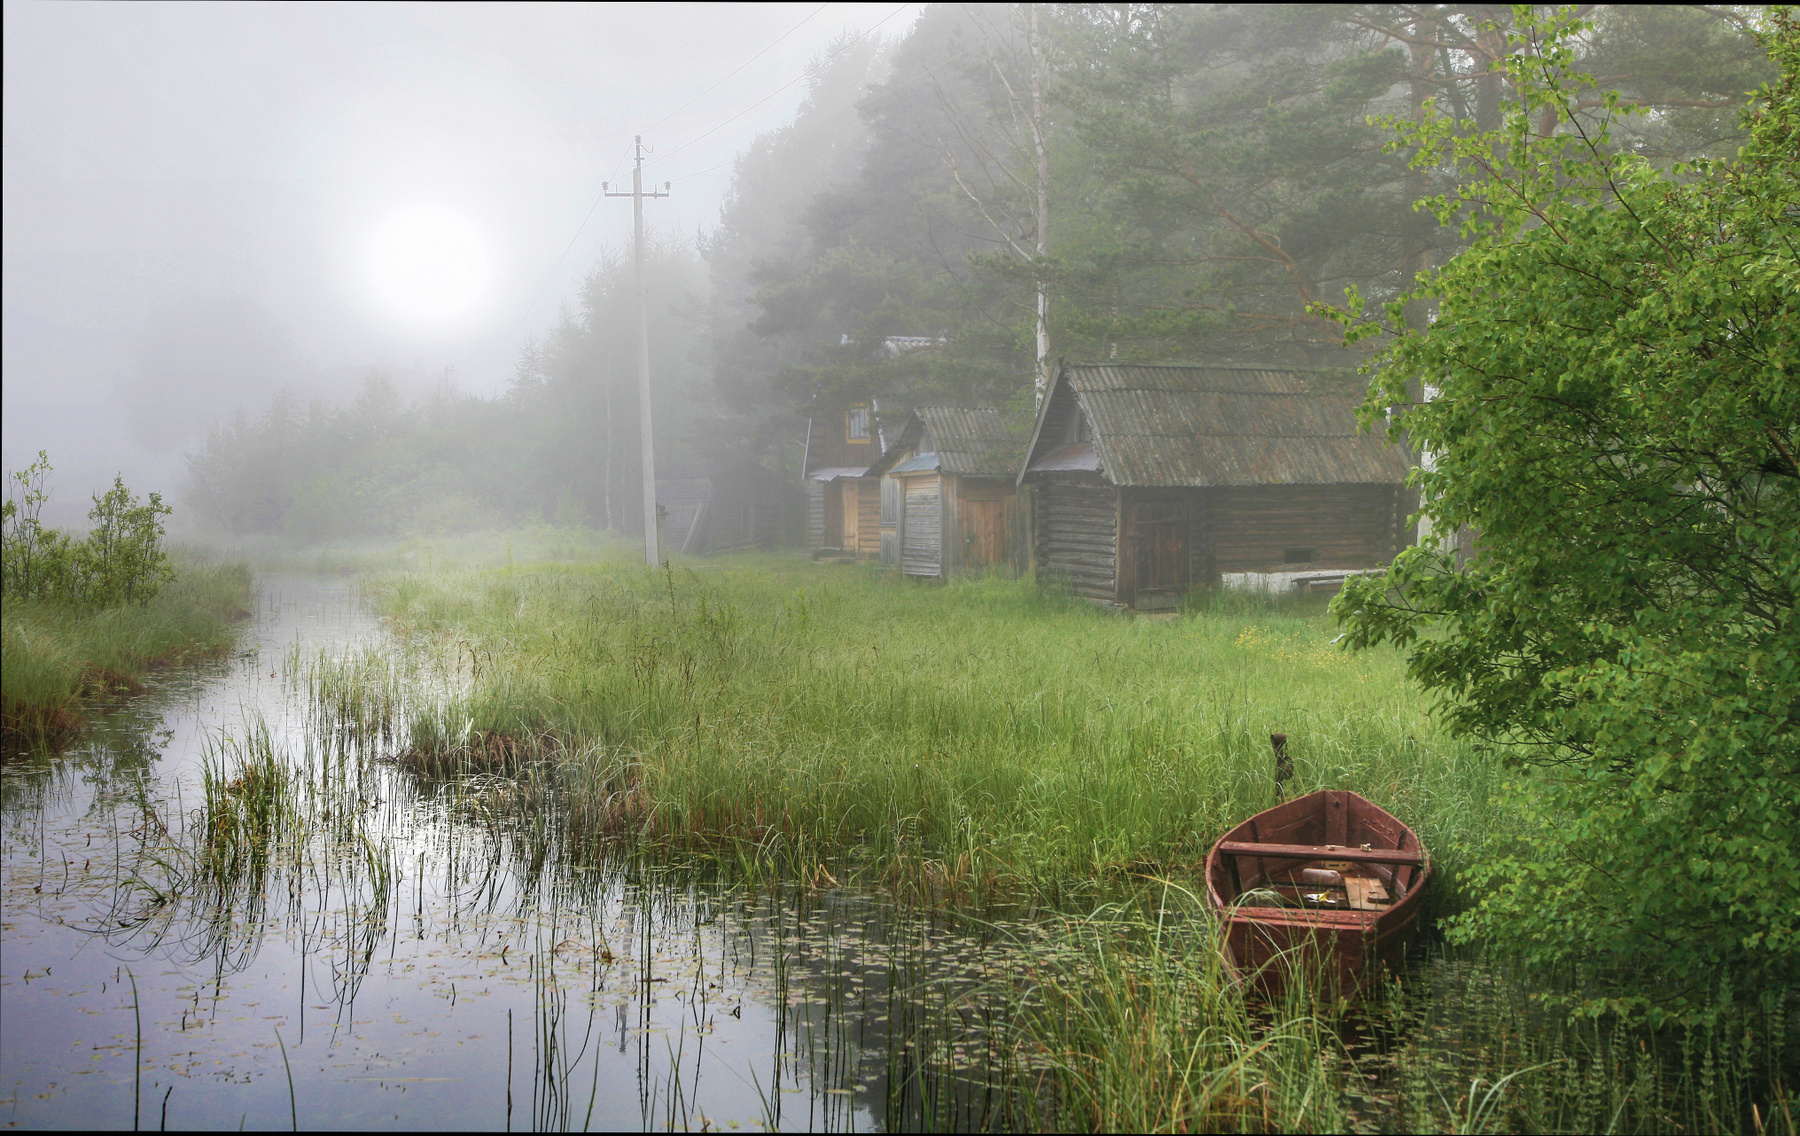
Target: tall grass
[[978, 737], [57, 659], [985, 744], [1143, 1032]]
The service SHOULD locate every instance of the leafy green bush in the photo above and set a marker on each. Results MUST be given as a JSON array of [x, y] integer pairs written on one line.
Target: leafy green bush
[[1611, 407], [122, 560]]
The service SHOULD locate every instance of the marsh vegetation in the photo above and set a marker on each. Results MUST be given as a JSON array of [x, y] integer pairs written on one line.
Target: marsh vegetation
[[991, 752]]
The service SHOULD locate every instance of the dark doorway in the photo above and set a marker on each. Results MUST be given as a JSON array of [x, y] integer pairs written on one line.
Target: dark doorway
[[1158, 543]]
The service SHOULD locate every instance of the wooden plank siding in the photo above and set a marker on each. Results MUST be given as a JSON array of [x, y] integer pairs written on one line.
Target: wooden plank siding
[[815, 513], [921, 526], [989, 525], [868, 517], [1253, 528], [888, 521], [1077, 530]]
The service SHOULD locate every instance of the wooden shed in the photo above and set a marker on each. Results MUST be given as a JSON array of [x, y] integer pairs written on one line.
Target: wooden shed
[[1153, 480], [950, 501], [723, 508], [843, 503]]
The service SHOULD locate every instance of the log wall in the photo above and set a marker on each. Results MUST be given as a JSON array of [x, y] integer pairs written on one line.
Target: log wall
[[1077, 534], [1252, 529]]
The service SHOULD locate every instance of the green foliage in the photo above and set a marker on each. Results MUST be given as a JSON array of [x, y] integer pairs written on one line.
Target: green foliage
[[122, 560], [1244, 180], [57, 657], [1611, 408], [1211, 172]]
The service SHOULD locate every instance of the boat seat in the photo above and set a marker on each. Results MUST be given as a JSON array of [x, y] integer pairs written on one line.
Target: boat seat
[[1321, 852]]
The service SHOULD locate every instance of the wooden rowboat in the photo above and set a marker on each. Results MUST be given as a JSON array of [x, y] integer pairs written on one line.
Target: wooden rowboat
[[1328, 875]]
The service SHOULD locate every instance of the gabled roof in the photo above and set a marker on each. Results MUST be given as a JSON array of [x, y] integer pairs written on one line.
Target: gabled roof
[[973, 442], [1187, 425]]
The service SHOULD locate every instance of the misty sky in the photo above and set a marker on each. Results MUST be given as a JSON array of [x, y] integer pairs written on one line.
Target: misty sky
[[199, 193]]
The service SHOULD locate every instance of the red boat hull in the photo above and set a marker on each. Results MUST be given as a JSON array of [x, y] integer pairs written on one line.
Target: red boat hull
[[1278, 925]]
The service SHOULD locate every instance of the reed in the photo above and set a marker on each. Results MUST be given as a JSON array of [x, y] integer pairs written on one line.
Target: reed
[[1144, 1034], [984, 744], [974, 739]]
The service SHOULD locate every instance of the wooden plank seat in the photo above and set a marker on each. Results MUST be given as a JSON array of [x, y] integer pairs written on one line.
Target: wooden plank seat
[[1320, 852]]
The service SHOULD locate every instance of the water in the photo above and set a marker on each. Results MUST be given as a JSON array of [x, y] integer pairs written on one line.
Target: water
[[419, 962]]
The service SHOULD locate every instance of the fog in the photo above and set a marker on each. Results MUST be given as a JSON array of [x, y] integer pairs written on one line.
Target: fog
[[197, 196], [368, 243]]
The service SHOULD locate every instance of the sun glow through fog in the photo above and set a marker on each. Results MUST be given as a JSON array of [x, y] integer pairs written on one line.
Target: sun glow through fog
[[429, 264]]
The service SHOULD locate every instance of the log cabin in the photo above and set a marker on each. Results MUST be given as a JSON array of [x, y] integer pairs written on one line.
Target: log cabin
[[1152, 480], [950, 502]]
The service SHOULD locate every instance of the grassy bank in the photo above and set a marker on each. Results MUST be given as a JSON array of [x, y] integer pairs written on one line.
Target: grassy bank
[[58, 659], [982, 744], [979, 738]]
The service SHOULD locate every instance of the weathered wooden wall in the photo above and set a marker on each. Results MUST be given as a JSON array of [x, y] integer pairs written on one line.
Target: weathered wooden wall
[[1077, 534], [921, 525], [868, 517], [990, 525], [815, 514], [888, 521], [828, 445], [1252, 529]]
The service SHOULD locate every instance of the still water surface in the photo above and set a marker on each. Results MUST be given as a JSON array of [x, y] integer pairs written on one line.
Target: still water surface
[[439, 975]]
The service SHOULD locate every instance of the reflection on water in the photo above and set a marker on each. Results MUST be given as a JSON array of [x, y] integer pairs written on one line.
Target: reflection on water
[[346, 948]]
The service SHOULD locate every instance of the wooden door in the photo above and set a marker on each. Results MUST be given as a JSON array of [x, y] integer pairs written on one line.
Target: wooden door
[[921, 533], [852, 505], [1158, 542], [986, 519]]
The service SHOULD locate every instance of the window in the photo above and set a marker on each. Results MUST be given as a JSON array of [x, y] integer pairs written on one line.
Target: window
[[1300, 555], [856, 424]]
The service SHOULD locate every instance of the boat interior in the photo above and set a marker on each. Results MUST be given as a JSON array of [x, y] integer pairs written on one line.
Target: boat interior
[[1330, 852]]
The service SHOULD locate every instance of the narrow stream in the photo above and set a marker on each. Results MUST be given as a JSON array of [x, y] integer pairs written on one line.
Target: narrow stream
[[439, 976]]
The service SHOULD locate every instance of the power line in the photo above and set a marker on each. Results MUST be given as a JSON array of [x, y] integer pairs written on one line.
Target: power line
[[556, 267], [736, 69], [626, 156], [846, 47]]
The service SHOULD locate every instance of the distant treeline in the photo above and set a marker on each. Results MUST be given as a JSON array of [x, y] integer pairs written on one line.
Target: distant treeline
[[1208, 172], [559, 446]]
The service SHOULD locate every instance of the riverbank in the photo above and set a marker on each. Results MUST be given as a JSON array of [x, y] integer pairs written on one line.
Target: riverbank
[[987, 744], [58, 660]]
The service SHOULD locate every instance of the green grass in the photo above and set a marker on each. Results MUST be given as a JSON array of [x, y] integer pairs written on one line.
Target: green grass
[[58, 659], [976, 737], [985, 744]]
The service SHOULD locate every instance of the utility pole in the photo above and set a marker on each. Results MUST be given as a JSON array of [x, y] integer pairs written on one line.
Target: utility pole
[[1043, 208], [652, 554]]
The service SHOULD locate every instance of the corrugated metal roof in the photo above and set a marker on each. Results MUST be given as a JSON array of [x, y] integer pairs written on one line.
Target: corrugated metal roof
[[917, 464], [832, 473], [972, 441], [1203, 426]]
